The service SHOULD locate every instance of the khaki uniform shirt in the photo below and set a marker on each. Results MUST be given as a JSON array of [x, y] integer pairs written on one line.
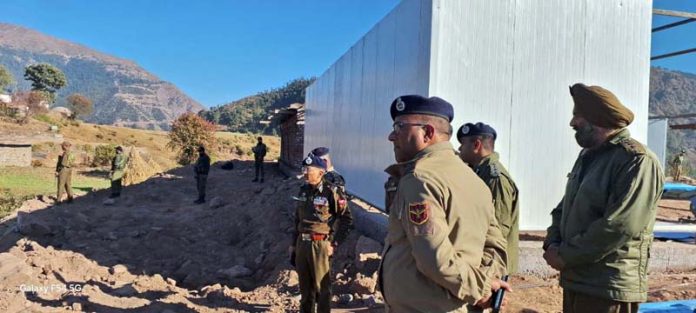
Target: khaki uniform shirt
[[317, 213], [443, 245]]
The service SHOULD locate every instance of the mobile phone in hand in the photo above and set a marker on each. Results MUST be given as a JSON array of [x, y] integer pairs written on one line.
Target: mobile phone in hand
[[498, 297]]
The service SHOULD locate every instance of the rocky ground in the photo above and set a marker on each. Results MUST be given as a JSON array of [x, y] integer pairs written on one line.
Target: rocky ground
[[154, 251]]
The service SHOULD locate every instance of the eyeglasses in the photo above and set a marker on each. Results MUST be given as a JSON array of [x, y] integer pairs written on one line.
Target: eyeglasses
[[397, 126]]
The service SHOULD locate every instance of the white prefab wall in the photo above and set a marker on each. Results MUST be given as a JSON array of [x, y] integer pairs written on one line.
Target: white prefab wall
[[506, 63], [347, 108], [657, 139]]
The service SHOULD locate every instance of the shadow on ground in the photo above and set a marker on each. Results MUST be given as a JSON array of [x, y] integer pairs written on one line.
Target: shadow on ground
[[155, 229]]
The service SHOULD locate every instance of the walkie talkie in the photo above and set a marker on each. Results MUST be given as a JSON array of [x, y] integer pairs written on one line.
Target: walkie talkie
[[498, 297]]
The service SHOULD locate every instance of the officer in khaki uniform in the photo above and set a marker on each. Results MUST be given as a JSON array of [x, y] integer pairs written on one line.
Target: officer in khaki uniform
[[477, 148], [332, 178], [64, 173], [444, 250], [602, 229], [314, 239]]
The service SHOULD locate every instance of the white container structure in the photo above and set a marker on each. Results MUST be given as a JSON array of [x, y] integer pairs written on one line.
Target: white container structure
[[506, 63], [657, 139]]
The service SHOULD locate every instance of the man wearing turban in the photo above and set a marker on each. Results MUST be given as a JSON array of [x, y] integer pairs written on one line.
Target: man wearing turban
[[601, 232]]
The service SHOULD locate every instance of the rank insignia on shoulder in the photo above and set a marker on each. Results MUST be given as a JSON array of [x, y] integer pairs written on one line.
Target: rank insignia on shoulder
[[418, 213], [494, 171]]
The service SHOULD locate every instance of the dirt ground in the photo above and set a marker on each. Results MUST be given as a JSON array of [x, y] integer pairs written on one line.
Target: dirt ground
[[154, 251]]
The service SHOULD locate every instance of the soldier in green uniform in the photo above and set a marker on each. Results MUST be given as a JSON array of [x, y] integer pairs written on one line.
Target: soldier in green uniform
[[602, 229], [200, 173], [478, 150], [64, 173], [444, 251], [314, 239], [677, 163], [118, 167]]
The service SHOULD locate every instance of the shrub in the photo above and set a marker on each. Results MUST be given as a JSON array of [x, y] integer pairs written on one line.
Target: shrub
[[187, 133], [103, 154], [45, 118]]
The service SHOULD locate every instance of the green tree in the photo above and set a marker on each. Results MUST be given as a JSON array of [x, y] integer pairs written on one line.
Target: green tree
[[80, 105], [45, 78], [188, 132], [6, 77]]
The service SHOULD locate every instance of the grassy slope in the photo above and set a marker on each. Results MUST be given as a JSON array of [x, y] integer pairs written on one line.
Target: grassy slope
[[27, 181], [21, 182]]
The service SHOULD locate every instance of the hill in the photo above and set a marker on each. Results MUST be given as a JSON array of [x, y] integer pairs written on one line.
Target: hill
[[124, 94], [674, 93], [243, 115]]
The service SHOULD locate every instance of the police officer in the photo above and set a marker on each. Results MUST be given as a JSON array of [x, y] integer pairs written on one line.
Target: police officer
[[332, 178], [64, 173], [314, 239], [477, 148], [444, 251], [259, 153], [118, 167], [201, 170], [601, 230]]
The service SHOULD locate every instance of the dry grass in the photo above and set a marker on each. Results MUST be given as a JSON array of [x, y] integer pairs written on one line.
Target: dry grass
[[138, 170], [152, 146]]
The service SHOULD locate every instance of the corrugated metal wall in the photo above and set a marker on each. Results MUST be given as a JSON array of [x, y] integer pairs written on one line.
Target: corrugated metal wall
[[657, 139], [348, 106], [508, 63]]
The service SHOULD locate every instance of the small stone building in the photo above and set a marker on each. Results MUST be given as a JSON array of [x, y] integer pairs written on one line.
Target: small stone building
[[291, 124], [16, 149], [13, 153]]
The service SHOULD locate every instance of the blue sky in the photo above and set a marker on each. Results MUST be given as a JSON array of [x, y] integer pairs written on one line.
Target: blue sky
[[219, 51], [675, 39]]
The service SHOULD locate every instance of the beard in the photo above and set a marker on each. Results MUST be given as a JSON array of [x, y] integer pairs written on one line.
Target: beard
[[584, 135]]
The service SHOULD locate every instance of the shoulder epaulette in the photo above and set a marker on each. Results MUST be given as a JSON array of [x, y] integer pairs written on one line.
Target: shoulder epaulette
[[633, 146], [494, 171]]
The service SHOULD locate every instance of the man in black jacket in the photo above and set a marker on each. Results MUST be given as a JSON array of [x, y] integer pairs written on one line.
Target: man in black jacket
[[200, 171]]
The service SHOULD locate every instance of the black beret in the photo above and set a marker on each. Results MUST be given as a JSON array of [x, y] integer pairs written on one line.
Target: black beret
[[415, 104], [471, 129], [321, 151], [313, 160]]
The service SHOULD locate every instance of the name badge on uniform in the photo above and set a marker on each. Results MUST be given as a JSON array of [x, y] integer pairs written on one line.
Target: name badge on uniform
[[320, 201]]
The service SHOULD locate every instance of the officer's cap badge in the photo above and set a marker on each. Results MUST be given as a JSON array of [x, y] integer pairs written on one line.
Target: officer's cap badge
[[400, 105]]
